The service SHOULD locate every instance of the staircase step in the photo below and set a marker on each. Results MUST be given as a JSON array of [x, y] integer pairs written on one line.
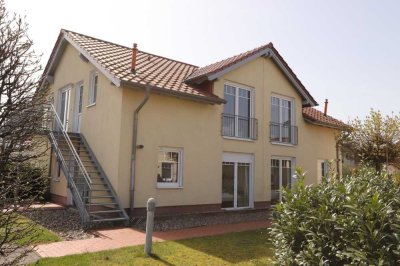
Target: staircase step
[[101, 204], [94, 184], [108, 211], [100, 197], [107, 189], [108, 220]]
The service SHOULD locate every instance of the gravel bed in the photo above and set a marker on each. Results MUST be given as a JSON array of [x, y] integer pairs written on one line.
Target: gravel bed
[[66, 223], [165, 223]]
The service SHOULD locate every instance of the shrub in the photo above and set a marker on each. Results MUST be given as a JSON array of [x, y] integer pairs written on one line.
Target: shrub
[[349, 220]]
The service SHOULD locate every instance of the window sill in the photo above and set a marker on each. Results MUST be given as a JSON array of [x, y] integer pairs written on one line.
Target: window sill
[[283, 144], [90, 105], [168, 186], [237, 138]]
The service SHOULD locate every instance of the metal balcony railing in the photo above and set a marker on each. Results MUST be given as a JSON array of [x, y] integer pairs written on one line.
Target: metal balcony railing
[[283, 133], [239, 126]]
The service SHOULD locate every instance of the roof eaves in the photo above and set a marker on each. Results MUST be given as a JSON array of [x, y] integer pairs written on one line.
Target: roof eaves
[[92, 60], [323, 124], [53, 59], [269, 52], [168, 92]]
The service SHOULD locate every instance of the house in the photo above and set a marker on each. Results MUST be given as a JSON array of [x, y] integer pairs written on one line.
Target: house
[[129, 125]]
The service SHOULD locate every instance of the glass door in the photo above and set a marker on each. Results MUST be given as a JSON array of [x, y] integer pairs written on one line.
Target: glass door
[[236, 178], [228, 185], [281, 176], [64, 107], [243, 185]]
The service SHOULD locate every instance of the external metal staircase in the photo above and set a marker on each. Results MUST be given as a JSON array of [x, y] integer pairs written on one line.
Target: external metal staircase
[[92, 192]]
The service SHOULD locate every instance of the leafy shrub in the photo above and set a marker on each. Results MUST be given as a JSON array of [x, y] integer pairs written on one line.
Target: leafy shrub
[[24, 181], [349, 220]]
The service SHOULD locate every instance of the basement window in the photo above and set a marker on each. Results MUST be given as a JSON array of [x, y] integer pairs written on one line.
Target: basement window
[[169, 168]]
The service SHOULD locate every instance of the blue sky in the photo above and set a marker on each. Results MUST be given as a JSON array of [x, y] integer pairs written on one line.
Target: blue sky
[[346, 51]]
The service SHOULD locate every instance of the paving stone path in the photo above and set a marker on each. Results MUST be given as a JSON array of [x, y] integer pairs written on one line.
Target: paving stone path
[[124, 237]]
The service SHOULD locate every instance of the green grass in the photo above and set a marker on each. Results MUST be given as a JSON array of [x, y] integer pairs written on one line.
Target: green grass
[[243, 248], [31, 233], [38, 234]]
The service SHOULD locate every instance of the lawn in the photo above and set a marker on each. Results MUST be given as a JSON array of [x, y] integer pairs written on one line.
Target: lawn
[[243, 248], [32, 233]]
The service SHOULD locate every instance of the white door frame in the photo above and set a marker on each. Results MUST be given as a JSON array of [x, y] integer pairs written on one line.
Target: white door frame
[[77, 115], [67, 90], [241, 158]]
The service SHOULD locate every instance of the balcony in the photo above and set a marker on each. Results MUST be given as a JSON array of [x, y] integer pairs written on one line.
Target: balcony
[[236, 126], [283, 133]]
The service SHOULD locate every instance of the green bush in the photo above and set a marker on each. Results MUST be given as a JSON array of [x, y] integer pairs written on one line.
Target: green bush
[[351, 220]]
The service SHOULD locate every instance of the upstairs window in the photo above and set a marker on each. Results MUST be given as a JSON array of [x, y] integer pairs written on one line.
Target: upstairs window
[[237, 119], [282, 128], [169, 167], [94, 80]]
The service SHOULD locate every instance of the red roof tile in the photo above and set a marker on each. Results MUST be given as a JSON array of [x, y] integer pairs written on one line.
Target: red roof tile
[[158, 71], [226, 63], [223, 64], [318, 117]]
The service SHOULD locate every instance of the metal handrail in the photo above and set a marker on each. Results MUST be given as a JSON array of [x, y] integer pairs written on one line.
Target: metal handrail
[[104, 176], [78, 202], [72, 148], [283, 133], [237, 126]]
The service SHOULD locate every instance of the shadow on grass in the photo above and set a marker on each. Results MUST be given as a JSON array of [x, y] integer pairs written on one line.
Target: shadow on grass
[[235, 247], [159, 259]]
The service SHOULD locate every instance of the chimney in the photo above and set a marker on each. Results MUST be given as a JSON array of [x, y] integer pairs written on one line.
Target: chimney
[[326, 107], [134, 55]]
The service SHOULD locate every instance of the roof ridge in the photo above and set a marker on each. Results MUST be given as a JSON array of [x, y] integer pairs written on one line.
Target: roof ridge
[[123, 46], [227, 58]]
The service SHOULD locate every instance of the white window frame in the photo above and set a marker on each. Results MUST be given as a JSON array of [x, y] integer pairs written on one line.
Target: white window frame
[[293, 166], [92, 99], [237, 158], [252, 107], [292, 118], [179, 183]]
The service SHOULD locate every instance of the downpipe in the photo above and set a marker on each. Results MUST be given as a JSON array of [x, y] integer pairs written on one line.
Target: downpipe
[[134, 148]]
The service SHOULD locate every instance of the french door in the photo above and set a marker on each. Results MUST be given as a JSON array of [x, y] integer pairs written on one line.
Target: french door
[[281, 176], [64, 107], [237, 180]]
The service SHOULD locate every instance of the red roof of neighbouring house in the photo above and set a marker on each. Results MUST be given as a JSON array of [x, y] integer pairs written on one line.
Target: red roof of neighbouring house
[[317, 117]]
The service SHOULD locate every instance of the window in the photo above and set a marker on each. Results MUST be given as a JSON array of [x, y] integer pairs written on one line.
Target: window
[[323, 169], [169, 167], [237, 119], [282, 127], [94, 79], [281, 176]]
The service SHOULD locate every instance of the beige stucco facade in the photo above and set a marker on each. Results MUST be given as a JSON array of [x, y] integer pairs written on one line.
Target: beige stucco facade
[[193, 127]]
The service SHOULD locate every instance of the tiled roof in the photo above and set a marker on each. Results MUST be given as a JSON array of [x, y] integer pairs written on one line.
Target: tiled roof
[[158, 71], [223, 64], [318, 117], [226, 63]]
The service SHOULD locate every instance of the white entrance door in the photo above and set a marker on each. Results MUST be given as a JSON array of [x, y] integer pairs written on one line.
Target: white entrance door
[[281, 176], [78, 109], [237, 180], [64, 107]]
